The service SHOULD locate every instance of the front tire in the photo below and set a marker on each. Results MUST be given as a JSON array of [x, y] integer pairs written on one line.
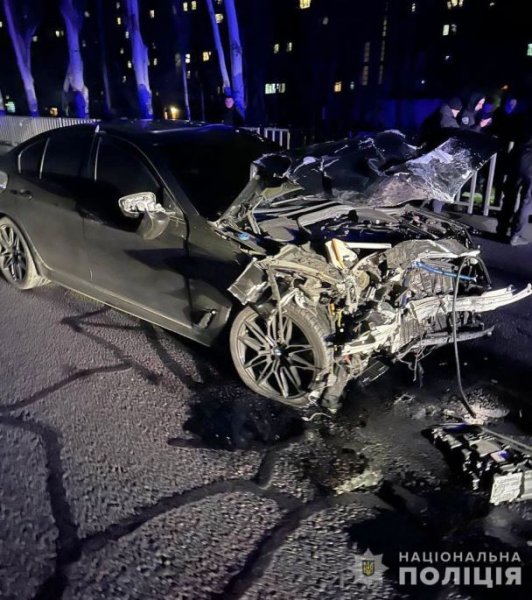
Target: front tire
[[281, 358], [16, 261]]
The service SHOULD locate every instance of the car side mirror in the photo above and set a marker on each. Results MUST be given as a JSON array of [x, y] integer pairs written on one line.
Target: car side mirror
[[155, 219], [139, 204]]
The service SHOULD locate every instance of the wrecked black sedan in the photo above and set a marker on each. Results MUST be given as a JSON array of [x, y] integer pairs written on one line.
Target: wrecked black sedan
[[321, 263]]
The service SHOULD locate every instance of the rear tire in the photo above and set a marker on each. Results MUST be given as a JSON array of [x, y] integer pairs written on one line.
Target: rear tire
[[281, 361], [16, 261]]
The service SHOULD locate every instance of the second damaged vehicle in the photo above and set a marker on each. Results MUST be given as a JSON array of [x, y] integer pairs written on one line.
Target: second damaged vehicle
[[325, 268]]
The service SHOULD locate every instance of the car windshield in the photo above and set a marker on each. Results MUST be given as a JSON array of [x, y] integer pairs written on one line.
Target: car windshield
[[213, 167]]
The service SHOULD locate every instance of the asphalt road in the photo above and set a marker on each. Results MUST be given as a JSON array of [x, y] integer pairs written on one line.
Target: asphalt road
[[134, 464]]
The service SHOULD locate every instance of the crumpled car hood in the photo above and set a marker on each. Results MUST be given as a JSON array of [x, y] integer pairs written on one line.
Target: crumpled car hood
[[381, 170]]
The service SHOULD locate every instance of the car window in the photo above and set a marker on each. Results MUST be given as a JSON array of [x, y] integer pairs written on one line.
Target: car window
[[67, 152], [214, 168], [122, 171], [29, 159]]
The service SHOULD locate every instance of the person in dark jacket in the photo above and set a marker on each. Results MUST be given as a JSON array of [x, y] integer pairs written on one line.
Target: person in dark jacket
[[448, 113], [232, 115], [434, 128], [472, 117], [519, 180]]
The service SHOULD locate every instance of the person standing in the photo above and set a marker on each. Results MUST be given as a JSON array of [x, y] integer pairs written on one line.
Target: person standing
[[471, 117], [232, 115], [524, 184], [439, 124]]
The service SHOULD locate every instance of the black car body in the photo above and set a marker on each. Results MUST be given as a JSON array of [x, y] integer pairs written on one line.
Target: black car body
[[323, 256]]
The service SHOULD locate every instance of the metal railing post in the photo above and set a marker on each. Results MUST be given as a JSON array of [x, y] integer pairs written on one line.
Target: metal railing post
[[472, 191], [489, 185]]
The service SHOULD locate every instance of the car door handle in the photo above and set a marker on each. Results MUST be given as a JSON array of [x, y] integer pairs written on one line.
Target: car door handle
[[23, 193]]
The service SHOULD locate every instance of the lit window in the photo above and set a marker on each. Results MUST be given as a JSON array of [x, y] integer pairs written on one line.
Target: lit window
[[83, 43], [1, 24], [413, 7], [289, 47], [338, 86], [187, 58], [126, 35], [219, 17], [193, 5], [35, 38], [119, 20], [529, 50], [447, 57], [87, 14], [124, 78], [446, 30], [352, 85], [117, 5], [122, 50], [381, 74], [383, 50], [367, 49], [155, 62], [129, 64], [59, 33], [453, 28], [152, 14], [275, 88], [304, 4], [206, 56], [365, 75], [325, 21], [189, 74], [276, 48], [185, 6], [384, 27], [219, 2], [454, 4]]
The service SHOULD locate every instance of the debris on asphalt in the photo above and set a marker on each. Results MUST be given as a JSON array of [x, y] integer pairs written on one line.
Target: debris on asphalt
[[487, 460]]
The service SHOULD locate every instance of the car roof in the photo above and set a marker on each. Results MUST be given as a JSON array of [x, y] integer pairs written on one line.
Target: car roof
[[155, 132], [148, 134]]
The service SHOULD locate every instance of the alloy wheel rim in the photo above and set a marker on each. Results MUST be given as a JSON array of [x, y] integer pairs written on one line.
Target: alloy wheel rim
[[13, 260], [277, 355]]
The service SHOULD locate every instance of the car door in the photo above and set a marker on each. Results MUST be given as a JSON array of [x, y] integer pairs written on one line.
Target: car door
[[48, 186], [136, 274]]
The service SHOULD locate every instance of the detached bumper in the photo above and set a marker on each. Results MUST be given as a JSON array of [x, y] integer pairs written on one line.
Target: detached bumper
[[430, 307]]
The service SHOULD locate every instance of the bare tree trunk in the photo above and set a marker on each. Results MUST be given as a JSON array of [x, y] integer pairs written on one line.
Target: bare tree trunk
[[108, 106], [219, 49], [22, 45], [237, 71], [139, 53], [185, 88], [73, 13]]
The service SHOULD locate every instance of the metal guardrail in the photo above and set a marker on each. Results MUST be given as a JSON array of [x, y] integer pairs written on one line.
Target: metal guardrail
[[277, 135], [479, 194], [15, 130]]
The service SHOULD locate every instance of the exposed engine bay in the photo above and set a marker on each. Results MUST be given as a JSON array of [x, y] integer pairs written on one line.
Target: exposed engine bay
[[391, 280]]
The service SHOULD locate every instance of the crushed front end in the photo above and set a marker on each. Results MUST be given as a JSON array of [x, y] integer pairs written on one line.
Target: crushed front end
[[392, 284]]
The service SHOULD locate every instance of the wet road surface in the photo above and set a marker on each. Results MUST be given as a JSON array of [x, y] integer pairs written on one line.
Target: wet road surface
[[135, 465]]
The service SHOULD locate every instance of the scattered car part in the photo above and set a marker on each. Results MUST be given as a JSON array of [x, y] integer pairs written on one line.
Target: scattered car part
[[488, 460]]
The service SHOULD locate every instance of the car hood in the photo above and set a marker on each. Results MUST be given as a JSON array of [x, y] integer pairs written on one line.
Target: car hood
[[378, 171]]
